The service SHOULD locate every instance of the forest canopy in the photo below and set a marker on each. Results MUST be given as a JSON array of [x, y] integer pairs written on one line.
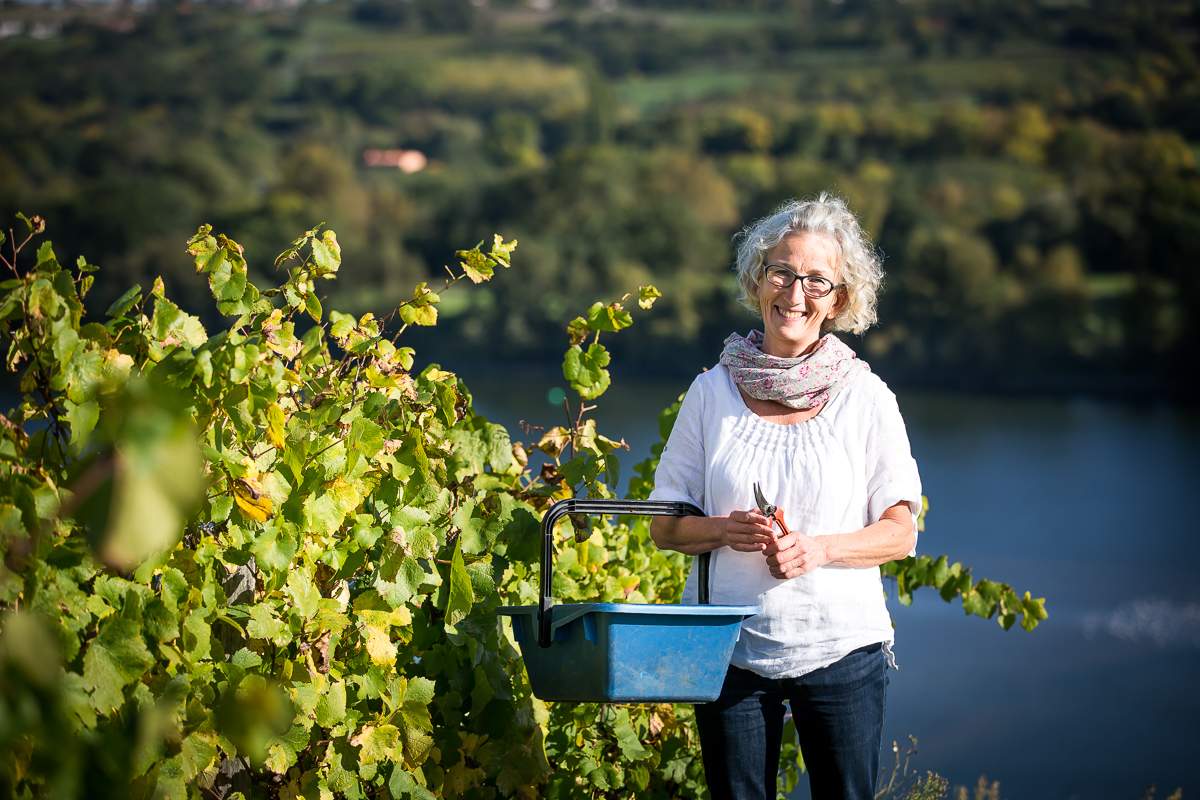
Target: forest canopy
[[1028, 169]]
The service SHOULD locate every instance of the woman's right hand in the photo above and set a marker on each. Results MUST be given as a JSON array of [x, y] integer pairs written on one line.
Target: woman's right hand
[[748, 531]]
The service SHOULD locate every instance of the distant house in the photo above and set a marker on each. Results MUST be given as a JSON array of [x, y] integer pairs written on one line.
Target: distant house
[[45, 30], [37, 29], [407, 161], [266, 5]]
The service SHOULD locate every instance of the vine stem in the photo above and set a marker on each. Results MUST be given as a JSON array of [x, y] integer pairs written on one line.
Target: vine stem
[[403, 328], [583, 409], [13, 264], [574, 426], [16, 248], [453, 279]]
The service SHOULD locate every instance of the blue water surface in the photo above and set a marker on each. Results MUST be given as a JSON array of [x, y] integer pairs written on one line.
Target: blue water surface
[[1088, 504]]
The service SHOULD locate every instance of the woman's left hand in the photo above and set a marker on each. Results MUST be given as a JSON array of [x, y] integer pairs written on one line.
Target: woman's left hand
[[794, 554], [892, 537]]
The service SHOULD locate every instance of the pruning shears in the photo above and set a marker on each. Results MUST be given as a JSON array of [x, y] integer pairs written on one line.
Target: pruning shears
[[770, 509]]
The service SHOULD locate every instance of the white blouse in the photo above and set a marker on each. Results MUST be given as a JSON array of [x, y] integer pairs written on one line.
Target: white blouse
[[835, 473]]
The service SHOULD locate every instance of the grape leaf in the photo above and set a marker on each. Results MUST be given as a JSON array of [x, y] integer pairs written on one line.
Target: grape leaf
[[461, 595], [586, 371], [114, 659]]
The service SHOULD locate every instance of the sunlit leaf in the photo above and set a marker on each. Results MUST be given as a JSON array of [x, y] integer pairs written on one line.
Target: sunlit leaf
[[274, 548], [380, 648], [462, 595], [331, 708], [82, 419], [586, 371], [251, 499], [120, 307], [475, 265], [647, 295], [577, 331], [377, 743], [264, 624], [114, 659], [418, 315], [275, 427], [501, 250], [554, 441], [327, 255], [610, 317], [313, 306]]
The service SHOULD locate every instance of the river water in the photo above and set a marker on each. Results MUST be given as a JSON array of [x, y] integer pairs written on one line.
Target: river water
[[1086, 503]]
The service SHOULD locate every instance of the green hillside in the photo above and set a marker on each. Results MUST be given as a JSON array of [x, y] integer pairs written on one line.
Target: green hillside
[[1028, 168]]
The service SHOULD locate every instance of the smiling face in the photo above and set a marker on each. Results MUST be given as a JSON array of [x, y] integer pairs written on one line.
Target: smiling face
[[791, 319]]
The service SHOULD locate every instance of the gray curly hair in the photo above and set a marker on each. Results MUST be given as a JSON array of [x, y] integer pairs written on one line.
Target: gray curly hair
[[860, 267]]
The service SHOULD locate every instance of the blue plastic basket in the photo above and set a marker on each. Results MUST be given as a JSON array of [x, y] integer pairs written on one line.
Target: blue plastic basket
[[630, 652]]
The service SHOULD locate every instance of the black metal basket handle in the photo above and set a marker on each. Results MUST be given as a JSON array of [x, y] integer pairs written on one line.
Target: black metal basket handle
[[657, 508]]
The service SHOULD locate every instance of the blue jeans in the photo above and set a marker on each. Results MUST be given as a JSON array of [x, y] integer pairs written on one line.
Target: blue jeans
[[839, 716]]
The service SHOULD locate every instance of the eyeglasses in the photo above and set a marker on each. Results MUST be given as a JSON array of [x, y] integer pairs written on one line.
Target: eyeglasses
[[813, 285]]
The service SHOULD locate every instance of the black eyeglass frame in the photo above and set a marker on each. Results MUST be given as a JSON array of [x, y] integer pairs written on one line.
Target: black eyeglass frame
[[804, 281]]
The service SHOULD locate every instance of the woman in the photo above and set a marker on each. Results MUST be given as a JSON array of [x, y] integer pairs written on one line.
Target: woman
[[796, 412]]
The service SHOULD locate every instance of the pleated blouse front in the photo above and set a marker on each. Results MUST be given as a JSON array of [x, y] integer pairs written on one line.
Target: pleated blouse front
[[834, 473]]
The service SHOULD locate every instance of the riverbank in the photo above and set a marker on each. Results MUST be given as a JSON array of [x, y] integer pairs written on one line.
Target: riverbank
[[1182, 389]]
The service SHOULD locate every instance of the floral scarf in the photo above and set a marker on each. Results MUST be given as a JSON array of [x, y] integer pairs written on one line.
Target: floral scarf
[[800, 383]]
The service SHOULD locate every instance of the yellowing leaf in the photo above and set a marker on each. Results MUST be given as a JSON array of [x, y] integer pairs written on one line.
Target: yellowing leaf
[[554, 440], [577, 331], [324, 511], [460, 778], [420, 310], [418, 315], [380, 648], [606, 445], [275, 423], [199, 753], [264, 624], [502, 251], [327, 255], [280, 336], [313, 306], [251, 500], [381, 619], [279, 759], [647, 295], [115, 367], [377, 743], [417, 746], [476, 265]]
